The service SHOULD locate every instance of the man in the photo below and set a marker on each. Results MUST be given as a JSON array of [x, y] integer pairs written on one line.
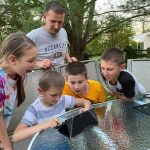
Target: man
[[51, 39]]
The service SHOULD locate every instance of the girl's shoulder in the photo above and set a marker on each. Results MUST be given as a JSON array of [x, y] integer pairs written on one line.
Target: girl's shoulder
[[2, 72], [2, 76]]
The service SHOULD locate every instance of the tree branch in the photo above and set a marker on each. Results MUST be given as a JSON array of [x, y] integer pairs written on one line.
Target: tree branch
[[107, 28], [122, 10]]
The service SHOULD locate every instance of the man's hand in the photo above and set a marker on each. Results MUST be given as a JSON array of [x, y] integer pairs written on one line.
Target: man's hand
[[71, 59], [44, 63]]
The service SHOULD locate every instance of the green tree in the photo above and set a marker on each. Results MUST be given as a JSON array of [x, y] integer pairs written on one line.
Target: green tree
[[83, 28], [81, 20], [78, 23], [116, 36], [17, 14]]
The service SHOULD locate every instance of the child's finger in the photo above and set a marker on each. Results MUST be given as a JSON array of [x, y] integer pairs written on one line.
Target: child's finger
[[81, 110], [58, 122]]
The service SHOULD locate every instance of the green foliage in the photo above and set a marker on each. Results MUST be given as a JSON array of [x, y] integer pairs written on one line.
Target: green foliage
[[137, 6], [94, 47], [139, 9], [78, 23], [116, 36], [17, 14], [131, 53], [84, 31]]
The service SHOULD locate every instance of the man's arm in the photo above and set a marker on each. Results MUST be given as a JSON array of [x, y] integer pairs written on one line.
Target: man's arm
[[69, 59], [45, 63]]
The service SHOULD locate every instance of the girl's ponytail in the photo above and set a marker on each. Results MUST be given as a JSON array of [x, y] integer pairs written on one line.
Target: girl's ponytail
[[20, 91]]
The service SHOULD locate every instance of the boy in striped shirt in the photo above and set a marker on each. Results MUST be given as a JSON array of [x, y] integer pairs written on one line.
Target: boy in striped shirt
[[42, 113]]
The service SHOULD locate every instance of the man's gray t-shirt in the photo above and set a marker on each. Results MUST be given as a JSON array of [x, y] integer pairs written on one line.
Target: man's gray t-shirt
[[52, 47]]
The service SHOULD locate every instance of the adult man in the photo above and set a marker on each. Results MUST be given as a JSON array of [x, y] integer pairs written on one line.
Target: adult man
[[51, 39]]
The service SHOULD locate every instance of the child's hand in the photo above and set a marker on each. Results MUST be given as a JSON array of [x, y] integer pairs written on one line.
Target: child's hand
[[86, 105], [7, 148], [51, 123], [83, 110], [111, 93]]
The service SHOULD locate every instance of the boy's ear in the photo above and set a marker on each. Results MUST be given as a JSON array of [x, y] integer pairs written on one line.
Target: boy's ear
[[87, 77], [40, 90], [45, 15], [66, 78], [123, 66]]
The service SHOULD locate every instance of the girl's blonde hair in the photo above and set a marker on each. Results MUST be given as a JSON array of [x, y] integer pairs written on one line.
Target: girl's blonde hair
[[16, 44]]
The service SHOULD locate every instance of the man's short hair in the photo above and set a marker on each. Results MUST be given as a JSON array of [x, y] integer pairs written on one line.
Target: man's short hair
[[115, 55], [55, 6], [76, 68]]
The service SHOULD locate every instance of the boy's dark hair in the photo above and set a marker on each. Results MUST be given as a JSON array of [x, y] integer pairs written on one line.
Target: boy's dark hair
[[55, 6], [76, 68], [51, 79], [115, 55]]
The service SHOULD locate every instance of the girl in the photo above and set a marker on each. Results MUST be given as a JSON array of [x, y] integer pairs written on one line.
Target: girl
[[17, 57]]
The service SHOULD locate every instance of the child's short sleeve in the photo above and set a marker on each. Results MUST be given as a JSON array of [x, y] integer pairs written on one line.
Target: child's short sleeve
[[128, 87], [69, 101], [30, 117], [127, 82]]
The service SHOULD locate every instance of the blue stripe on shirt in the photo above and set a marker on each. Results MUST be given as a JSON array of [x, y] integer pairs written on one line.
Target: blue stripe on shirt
[[37, 112]]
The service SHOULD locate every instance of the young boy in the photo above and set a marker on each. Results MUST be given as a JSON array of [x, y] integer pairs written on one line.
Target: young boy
[[122, 83], [42, 113], [79, 86]]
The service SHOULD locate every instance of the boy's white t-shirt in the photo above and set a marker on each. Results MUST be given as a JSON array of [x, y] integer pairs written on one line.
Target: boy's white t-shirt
[[128, 85], [37, 112]]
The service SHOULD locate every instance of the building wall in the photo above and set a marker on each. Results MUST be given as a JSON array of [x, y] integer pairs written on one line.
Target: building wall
[[143, 38], [147, 42]]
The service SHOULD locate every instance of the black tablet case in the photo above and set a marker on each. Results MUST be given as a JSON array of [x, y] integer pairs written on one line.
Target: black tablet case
[[76, 124]]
